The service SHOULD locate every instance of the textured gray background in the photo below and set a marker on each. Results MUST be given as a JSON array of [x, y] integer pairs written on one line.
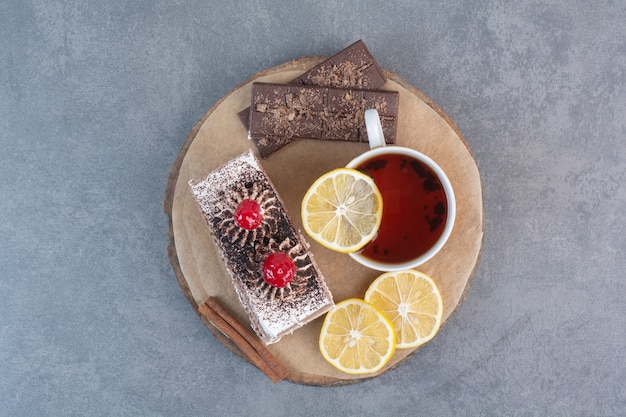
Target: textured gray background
[[96, 99]]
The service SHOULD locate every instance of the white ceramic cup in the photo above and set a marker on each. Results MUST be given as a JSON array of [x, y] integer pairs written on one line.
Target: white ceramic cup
[[378, 148]]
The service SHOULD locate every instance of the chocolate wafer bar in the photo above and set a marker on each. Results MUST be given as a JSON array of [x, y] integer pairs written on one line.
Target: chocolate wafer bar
[[248, 243], [353, 67], [283, 112]]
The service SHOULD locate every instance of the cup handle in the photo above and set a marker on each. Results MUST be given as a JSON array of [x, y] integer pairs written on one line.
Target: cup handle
[[374, 129]]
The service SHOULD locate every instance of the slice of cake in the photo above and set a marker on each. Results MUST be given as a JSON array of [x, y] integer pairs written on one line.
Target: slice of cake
[[274, 274]]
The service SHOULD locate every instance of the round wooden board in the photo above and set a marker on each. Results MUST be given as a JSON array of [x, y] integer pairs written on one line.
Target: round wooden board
[[220, 136]]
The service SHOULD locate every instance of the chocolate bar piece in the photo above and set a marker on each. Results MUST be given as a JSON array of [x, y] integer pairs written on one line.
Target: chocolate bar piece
[[284, 112], [247, 243], [352, 67]]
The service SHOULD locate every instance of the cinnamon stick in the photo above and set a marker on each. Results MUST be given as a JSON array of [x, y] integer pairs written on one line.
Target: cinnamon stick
[[250, 346], [254, 341], [239, 341]]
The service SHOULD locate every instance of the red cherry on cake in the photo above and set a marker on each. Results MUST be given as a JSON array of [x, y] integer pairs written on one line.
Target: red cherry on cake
[[278, 269], [248, 214]]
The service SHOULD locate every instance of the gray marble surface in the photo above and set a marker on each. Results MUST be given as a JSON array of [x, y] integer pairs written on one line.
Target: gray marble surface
[[96, 99]]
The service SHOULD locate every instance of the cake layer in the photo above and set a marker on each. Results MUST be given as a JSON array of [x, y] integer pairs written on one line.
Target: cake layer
[[273, 311]]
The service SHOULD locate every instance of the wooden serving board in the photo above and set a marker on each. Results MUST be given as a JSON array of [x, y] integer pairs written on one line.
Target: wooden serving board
[[220, 136]]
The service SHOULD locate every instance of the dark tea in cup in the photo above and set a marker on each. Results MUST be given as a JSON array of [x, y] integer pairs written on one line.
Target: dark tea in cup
[[415, 208], [418, 208], [418, 203]]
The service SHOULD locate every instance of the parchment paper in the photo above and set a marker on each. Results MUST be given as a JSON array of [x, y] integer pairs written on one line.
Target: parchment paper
[[220, 136]]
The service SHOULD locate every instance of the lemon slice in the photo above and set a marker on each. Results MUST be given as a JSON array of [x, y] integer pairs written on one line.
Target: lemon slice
[[356, 338], [411, 300], [342, 210]]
